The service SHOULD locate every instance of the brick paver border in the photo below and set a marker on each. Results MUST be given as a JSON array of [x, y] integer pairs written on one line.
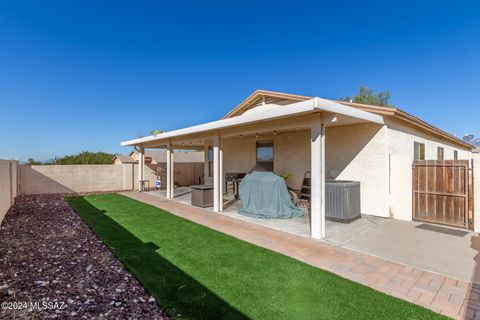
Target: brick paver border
[[451, 297]]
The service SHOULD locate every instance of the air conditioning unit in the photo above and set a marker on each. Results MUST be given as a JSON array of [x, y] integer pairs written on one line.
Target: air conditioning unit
[[342, 200]]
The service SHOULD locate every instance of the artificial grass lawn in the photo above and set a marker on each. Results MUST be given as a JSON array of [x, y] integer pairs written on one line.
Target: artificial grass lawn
[[198, 273]]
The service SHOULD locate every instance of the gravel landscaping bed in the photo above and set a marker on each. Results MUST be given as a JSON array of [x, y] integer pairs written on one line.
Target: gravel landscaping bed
[[50, 257]]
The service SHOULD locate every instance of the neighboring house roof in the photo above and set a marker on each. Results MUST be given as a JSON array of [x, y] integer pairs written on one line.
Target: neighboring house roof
[[476, 150], [264, 96], [160, 156], [124, 158]]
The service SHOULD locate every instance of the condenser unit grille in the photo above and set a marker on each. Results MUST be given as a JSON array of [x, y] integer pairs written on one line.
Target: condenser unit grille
[[342, 200]]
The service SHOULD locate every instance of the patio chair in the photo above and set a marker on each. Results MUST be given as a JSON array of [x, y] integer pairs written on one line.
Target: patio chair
[[305, 190]]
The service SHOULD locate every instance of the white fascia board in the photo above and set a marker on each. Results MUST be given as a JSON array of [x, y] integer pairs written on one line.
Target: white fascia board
[[249, 118], [279, 112], [338, 108]]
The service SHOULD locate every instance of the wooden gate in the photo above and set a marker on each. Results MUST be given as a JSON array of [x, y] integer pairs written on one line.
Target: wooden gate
[[443, 192]]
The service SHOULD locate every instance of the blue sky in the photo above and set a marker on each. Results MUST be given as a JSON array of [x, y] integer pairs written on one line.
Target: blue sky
[[85, 75]]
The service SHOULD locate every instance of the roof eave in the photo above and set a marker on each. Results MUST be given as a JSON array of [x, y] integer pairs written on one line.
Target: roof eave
[[295, 109]]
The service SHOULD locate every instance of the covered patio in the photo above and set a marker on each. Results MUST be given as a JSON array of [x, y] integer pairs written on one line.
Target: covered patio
[[336, 233], [298, 130]]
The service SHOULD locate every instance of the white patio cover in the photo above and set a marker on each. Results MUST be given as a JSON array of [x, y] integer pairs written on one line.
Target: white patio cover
[[268, 112]]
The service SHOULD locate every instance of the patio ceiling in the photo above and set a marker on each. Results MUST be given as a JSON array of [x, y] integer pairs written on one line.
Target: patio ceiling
[[272, 117]]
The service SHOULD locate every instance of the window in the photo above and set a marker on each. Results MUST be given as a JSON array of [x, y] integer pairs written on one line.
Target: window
[[439, 153], [419, 151], [455, 155], [265, 154]]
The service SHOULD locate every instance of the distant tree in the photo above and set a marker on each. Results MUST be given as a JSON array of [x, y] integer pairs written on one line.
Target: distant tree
[[32, 162], [86, 157], [155, 132], [369, 96], [468, 138]]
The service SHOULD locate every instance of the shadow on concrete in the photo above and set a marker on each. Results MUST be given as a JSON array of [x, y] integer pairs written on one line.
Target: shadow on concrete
[[176, 292]]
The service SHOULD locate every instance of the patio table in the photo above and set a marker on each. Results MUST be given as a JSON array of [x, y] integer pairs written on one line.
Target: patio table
[[235, 178]]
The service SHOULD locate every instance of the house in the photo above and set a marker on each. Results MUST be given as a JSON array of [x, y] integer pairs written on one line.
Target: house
[[123, 159], [331, 139], [476, 152], [189, 169], [160, 156]]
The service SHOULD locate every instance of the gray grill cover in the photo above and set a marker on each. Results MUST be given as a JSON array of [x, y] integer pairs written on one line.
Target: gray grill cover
[[265, 195]]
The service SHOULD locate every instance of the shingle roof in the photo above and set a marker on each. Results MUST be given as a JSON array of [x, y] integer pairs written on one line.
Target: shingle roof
[[124, 158]]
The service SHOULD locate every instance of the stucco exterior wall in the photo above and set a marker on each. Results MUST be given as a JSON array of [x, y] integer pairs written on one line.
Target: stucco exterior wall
[[476, 194], [239, 154], [8, 185], [291, 155], [400, 187], [401, 139], [358, 153]]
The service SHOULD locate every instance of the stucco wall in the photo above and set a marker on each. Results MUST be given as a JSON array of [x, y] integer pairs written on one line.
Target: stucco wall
[[401, 139], [239, 154], [291, 155], [476, 194], [400, 187], [8, 185], [380, 157], [358, 153]]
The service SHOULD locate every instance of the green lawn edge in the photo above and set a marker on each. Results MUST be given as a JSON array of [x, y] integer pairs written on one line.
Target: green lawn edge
[[195, 272]]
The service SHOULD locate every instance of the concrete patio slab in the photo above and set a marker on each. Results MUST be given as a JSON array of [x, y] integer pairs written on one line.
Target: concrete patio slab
[[342, 233], [336, 233], [438, 251]]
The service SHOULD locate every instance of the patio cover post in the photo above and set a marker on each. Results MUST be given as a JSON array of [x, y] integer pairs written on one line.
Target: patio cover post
[[317, 195], [206, 164], [141, 167], [170, 172], [220, 176], [216, 173]]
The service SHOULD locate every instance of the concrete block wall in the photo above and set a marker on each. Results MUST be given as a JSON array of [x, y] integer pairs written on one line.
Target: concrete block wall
[[8, 185], [70, 179]]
